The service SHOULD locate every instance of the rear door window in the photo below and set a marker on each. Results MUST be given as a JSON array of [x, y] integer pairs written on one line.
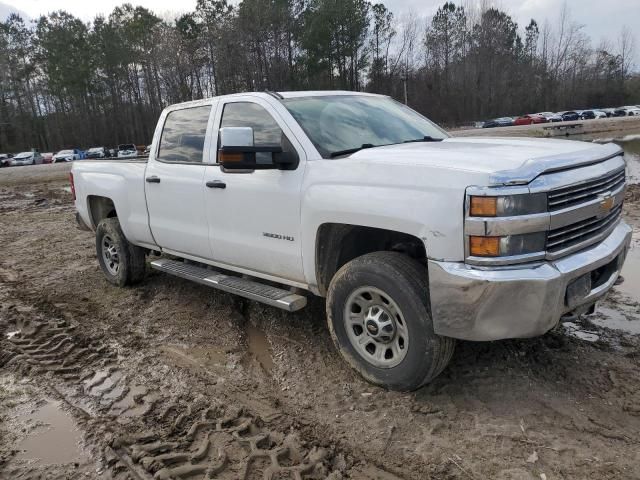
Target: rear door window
[[183, 135]]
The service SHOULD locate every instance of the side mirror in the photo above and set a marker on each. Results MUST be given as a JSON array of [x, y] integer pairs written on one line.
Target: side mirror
[[237, 151]]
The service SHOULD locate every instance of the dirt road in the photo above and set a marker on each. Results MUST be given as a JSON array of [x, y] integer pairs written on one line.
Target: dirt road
[[173, 380]]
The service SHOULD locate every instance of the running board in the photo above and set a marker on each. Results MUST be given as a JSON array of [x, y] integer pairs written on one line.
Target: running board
[[276, 297]]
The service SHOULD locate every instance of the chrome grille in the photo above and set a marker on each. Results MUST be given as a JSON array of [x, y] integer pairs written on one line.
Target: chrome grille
[[582, 233], [583, 192]]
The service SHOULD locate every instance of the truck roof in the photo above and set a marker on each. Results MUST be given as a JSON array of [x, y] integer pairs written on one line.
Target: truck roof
[[322, 93], [291, 94]]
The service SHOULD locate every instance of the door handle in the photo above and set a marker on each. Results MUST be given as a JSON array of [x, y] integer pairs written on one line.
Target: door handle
[[216, 184], [153, 179]]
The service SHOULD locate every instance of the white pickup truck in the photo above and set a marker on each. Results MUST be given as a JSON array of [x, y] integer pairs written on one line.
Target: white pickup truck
[[415, 238]]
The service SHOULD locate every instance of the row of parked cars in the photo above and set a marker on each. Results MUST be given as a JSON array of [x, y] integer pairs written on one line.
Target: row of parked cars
[[33, 157], [566, 116]]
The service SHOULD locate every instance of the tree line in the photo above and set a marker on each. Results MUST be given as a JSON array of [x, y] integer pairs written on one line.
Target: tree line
[[65, 83]]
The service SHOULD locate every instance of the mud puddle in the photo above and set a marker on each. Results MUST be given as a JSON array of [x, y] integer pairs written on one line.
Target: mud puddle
[[631, 273], [54, 439], [574, 330], [621, 311], [620, 318], [259, 347], [630, 143]]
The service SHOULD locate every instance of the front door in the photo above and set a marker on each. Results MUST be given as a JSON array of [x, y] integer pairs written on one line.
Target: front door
[[254, 219], [174, 183]]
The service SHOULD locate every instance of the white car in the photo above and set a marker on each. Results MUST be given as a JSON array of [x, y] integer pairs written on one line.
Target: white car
[[26, 158], [632, 111], [415, 238], [97, 152], [127, 150], [550, 116], [5, 160], [65, 156], [600, 114]]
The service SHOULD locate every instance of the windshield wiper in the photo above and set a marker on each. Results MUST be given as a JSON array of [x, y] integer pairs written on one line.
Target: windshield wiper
[[351, 150], [426, 138]]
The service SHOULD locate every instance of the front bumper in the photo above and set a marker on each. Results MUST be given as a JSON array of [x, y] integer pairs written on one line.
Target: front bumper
[[482, 303]]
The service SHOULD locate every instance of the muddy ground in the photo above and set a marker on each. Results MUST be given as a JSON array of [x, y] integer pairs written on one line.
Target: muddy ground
[[174, 380]]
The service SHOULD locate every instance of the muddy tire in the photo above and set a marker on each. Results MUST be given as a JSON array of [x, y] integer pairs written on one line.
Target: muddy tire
[[379, 317], [121, 262]]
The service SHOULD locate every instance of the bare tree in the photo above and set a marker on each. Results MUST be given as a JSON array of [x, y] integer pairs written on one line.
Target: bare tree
[[626, 50]]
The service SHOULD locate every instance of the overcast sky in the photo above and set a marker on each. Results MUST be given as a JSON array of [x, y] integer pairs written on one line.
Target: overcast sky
[[603, 19]]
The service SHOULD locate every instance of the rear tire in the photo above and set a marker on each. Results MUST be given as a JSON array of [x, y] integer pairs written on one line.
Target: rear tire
[[379, 317], [121, 262]]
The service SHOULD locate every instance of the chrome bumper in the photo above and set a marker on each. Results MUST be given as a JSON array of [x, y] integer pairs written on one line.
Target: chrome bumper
[[482, 303]]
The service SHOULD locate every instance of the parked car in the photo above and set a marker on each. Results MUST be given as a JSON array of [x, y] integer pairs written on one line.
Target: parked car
[[47, 157], [66, 156], [569, 116], [127, 150], [529, 119], [414, 238], [498, 122], [97, 152], [600, 114], [26, 158], [633, 111], [619, 112], [147, 150], [550, 116], [5, 159], [587, 115]]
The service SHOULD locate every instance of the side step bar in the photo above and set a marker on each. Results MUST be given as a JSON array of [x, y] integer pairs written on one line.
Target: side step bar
[[276, 297]]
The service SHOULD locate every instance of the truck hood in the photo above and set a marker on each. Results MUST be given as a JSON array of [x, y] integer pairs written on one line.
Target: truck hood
[[507, 161]]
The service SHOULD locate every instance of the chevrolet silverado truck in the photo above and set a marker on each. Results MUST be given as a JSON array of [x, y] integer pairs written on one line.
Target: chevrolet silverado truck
[[414, 238]]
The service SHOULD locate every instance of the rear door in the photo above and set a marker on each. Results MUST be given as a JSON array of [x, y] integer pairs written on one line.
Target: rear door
[[254, 220], [174, 182]]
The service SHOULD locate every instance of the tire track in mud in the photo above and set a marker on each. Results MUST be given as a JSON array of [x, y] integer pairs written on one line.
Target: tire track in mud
[[142, 432]]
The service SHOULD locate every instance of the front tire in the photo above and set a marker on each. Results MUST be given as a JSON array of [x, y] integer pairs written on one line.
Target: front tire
[[121, 262], [379, 317]]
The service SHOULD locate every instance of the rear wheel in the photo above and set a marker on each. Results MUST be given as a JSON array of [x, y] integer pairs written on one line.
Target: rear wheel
[[379, 318], [121, 262]]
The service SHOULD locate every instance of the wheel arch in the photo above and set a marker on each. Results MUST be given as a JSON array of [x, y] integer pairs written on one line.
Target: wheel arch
[[99, 208], [338, 243]]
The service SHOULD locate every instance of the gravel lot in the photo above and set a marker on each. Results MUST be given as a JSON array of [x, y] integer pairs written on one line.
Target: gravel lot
[[174, 380]]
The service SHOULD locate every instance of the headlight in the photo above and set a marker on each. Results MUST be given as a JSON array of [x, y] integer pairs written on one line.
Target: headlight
[[507, 205], [508, 245], [508, 227]]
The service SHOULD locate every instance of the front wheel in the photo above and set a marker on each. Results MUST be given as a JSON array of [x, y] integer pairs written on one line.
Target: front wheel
[[121, 262], [379, 317]]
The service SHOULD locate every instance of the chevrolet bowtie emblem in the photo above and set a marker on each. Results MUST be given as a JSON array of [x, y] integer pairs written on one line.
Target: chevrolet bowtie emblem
[[606, 204]]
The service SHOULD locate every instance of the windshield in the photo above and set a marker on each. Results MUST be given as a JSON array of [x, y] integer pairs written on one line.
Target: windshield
[[127, 147], [339, 123], [23, 155], [95, 149], [65, 152]]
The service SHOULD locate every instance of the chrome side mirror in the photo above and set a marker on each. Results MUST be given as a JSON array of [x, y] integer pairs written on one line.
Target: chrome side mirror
[[237, 150]]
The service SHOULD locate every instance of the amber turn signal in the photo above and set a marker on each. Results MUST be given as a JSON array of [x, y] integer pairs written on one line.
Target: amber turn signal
[[230, 156], [484, 206], [484, 246]]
